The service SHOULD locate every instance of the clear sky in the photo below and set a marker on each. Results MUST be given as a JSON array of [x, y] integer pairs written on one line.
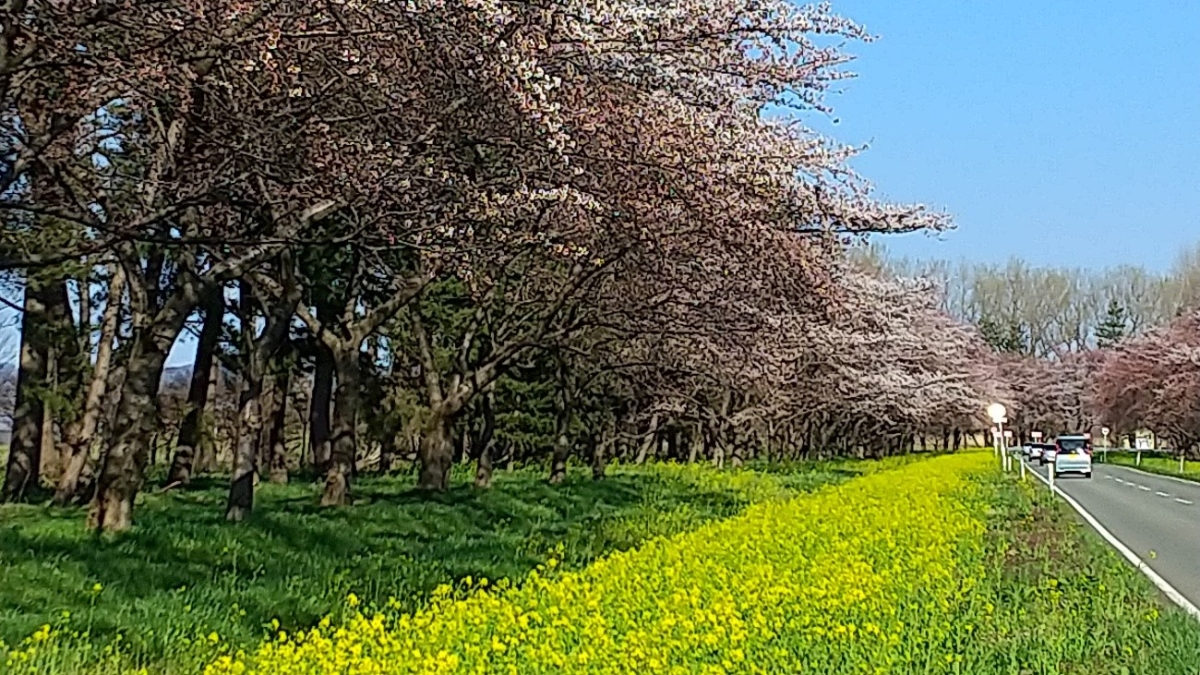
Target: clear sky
[[1060, 131]]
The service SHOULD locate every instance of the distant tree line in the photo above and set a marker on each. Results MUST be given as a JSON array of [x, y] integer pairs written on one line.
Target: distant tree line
[[1080, 350], [1043, 311]]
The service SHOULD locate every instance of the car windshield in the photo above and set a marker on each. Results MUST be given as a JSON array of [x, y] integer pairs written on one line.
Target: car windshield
[[1072, 444]]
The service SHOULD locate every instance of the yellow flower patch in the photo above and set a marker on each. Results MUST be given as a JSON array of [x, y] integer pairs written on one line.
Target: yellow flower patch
[[859, 578]]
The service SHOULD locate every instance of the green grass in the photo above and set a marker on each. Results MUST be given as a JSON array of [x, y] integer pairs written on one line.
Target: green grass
[[1160, 464], [1059, 601], [183, 572], [1054, 598]]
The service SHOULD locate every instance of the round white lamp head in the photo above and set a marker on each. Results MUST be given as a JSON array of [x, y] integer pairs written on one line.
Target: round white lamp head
[[997, 412]]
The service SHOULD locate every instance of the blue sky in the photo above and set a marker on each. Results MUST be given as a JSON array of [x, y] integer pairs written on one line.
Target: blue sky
[[1060, 131]]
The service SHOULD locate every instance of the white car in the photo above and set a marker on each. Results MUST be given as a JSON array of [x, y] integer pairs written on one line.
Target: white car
[[1073, 454]]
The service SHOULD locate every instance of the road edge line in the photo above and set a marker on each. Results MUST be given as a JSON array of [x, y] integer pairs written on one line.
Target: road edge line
[[1162, 584]]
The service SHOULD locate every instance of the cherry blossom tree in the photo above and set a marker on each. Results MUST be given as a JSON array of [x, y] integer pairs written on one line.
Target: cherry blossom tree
[[1152, 381]]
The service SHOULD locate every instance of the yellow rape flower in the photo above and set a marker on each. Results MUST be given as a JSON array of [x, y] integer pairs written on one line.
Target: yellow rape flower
[[837, 576]]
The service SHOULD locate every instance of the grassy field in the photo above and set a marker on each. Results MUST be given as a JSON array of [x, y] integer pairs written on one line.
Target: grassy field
[[1167, 466], [184, 573], [915, 566], [1058, 600]]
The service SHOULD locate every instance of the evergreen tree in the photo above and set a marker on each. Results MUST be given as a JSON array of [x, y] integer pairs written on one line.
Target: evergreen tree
[[1112, 329], [1005, 337]]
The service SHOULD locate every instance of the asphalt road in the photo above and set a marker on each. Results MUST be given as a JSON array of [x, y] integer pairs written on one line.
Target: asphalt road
[[1158, 518]]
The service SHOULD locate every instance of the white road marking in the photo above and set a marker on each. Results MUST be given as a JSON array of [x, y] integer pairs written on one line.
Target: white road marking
[[1162, 584], [1143, 487], [1183, 501], [1161, 494]]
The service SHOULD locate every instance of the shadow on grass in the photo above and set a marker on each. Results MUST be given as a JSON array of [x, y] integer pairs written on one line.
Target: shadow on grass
[[183, 572]]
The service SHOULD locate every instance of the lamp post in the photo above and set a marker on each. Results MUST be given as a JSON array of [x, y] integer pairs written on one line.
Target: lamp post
[[999, 413]]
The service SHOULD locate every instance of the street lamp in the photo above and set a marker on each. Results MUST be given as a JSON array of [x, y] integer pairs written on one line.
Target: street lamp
[[999, 413]]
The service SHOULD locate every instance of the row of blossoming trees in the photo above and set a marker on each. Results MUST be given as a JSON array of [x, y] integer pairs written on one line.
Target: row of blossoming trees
[[1147, 382], [462, 225]]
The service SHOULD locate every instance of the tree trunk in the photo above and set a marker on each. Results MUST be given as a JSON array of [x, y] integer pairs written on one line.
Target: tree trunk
[[651, 437], [261, 381], [121, 470], [437, 451], [66, 368], [276, 424], [156, 326], [483, 467], [483, 444], [33, 381], [344, 443], [387, 453], [82, 435], [462, 447], [566, 413], [206, 435], [50, 460], [596, 452], [318, 413], [562, 450], [245, 458], [697, 444], [735, 456], [190, 429]]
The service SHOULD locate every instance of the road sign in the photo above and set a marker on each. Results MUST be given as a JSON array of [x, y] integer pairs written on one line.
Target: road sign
[[1105, 430], [1008, 433], [1037, 435]]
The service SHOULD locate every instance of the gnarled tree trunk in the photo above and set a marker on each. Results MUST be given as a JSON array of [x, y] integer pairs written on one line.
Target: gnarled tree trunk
[[33, 380], [651, 438], [344, 443], [257, 356], [485, 440], [437, 450], [596, 449], [245, 456], [156, 325], [274, 445], [387, 453], [121, 469], [190, 430], [82, 436], [566, 412], [318, 413]]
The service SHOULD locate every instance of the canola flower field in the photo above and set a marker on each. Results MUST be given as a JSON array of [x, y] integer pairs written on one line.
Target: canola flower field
[[858, 578], [936, 566]]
